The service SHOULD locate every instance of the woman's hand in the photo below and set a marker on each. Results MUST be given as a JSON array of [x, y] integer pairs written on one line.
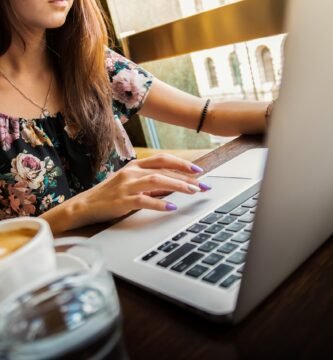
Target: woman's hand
[[135, 185], [131, 188]]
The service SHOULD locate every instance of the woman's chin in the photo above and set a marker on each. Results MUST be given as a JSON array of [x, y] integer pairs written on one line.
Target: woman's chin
[[55, 23]]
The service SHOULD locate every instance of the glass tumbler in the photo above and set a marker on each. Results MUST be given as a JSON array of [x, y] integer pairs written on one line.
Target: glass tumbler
[[74, 314]]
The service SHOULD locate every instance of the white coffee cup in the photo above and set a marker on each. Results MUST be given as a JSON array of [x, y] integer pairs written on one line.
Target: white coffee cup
[[33, 261]]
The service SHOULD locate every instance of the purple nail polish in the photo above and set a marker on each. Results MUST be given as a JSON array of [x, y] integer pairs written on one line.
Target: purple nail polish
[[196, 169], [204, 187], [171, 207]]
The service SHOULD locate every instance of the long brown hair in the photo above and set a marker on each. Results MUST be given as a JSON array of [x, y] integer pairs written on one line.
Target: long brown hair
[[78, 52]]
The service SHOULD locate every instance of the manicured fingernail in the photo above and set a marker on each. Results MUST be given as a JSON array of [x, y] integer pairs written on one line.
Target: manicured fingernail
[[204, 187], [170, 207], [194, 188], [196, 169]]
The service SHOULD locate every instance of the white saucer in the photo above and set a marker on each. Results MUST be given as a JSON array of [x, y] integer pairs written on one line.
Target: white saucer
[[67, 262], [70, 239], [70, 262]]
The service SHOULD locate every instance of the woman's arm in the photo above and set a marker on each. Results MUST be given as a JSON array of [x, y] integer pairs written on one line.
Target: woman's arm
[[168, 104]]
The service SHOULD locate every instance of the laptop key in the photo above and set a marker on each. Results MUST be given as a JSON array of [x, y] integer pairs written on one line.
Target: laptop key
[[197, 271], [211, 218], [238, 200], [179, 236], [227, 219], [222, 236], [241, 270], [174, 256], [241, 237], [245, 247], [218, 273], [168, 246], [247, 218], [214, 229], [237, 258], [187, 262], [164, 245], [225, 209], [149, 256], [200, 238], [227, 248], [235, 227], [251, 203], [196, 228], [229, 281], [212, 259], [249, 227], [208, 246], [239, 211]]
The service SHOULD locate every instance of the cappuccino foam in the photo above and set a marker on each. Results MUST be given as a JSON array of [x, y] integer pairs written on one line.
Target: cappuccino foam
[[12, 240]]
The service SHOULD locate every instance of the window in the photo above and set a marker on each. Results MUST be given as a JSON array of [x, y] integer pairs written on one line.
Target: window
[[192, 72], [198, 5], [265, 63], [211, 73], [235, 69]]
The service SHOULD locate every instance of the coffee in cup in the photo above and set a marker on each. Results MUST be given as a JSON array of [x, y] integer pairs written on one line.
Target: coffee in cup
[[12, 240], [26, 253]]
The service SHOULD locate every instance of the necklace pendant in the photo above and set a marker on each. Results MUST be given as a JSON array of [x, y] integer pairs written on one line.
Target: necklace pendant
[[44, 114]]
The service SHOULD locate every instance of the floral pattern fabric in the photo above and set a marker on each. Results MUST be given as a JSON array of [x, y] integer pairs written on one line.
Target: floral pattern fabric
[[41, 165]]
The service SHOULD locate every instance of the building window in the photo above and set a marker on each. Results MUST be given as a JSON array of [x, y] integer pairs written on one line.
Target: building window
[[265, 63], [211, 73], [235, 69], [198, 5]]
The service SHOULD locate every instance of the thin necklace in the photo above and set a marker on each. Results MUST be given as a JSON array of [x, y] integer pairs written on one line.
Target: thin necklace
[[44, 111]]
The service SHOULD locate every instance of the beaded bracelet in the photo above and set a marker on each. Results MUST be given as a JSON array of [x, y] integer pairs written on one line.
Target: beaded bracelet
[[203, 115]]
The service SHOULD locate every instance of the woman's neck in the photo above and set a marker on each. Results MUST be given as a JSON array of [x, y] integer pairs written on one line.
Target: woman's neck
[[30, 55]]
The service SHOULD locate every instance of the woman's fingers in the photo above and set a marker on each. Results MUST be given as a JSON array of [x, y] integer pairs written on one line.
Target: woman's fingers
[[167, 161], [137, 172], [142, 201], [180, 176], [157, 193], [185, 178], [159, 182]]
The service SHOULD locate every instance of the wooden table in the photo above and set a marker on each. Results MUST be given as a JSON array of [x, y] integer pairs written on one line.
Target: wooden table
[[295, 322]]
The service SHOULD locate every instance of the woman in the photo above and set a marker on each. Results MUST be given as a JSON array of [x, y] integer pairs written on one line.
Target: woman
[[64, 154]]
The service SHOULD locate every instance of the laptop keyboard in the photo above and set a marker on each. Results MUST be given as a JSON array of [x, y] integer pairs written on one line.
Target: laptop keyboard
[[213, 249]]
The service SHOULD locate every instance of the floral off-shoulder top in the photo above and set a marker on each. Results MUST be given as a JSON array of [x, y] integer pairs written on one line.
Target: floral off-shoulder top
[[41, 165]]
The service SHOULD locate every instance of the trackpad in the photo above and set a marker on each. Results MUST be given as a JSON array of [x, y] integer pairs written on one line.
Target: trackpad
[[248, 165]]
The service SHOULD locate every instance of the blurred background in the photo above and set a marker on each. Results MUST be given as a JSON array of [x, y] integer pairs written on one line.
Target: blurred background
[[159, 35]]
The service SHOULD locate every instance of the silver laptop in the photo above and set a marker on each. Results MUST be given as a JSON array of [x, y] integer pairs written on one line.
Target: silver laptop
[[225, 250]]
